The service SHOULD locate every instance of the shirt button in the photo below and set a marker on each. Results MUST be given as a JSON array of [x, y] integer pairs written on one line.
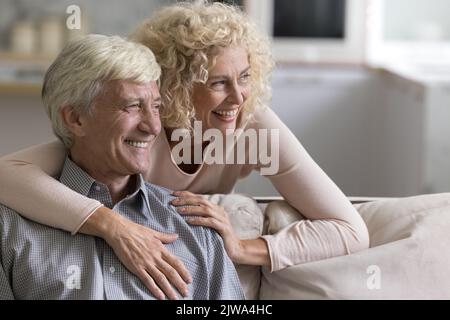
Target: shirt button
[[97, 188], [112, 269]]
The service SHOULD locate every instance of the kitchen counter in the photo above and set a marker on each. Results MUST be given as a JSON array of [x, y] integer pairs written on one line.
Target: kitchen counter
[[22, 74], [16, 88], [427, 74]]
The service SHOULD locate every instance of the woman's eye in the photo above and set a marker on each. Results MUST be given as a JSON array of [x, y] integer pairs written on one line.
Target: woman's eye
[[218, 83], [245, 77]]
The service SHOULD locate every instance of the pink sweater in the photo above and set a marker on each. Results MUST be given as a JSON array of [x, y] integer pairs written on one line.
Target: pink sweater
[[333, 227]]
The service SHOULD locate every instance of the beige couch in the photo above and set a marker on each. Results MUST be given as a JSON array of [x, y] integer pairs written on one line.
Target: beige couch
[[408, 258]]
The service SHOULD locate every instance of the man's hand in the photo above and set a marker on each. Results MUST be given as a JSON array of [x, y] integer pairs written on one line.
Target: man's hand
[[142, 251]]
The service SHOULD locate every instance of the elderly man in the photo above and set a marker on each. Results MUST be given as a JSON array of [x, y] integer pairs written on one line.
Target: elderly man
[[102, 98]]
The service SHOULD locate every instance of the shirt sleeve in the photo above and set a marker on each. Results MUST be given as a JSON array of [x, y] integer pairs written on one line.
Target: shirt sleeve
[[332, 227], [28, 186], [5, 288], [223, 279], [6, 292]]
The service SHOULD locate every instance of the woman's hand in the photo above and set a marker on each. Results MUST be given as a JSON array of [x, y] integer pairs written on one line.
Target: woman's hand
[[204, 213], [142, 251]]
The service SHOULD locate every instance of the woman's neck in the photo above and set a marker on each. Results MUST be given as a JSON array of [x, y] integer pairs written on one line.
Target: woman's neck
[[190, 167]]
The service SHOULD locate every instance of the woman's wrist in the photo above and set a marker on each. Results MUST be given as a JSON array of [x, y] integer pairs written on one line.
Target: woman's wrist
[[253, 252], [101, 223]]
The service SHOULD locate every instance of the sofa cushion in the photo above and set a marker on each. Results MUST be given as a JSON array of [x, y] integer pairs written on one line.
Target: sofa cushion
[[408, 257], [246, 218]]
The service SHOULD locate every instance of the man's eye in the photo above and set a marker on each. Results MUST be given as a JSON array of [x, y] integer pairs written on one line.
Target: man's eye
[[133, 106]]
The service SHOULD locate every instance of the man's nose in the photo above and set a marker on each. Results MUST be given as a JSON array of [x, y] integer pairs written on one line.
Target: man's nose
[[151, 122]]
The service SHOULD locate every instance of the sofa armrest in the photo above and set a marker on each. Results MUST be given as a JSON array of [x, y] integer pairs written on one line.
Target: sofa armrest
[[354, 200]]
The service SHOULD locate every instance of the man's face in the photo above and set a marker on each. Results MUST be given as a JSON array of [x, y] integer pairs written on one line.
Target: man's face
[[120, 131]]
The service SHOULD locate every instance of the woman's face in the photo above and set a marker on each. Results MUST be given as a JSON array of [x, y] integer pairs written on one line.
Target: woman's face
[[218, 102]]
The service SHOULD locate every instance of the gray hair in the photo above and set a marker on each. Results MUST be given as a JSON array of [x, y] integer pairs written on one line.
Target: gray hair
[[79, 72]]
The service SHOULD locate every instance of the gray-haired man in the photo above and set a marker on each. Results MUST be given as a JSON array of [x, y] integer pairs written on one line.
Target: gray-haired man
[[109, 138]]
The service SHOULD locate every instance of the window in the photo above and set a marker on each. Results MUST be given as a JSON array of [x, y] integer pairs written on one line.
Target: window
[[409, 31]]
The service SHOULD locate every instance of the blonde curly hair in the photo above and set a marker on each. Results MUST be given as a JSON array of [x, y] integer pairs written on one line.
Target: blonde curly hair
[[185, 37]]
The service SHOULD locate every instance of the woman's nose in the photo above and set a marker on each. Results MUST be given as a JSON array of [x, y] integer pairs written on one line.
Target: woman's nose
[[236, 95]]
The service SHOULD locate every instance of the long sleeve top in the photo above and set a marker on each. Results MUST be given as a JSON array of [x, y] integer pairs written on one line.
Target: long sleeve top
[[332, 227]]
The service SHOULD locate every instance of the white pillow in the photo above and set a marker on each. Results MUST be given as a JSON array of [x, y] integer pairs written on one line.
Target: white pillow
[[408, 259], [246, 218], [278, 215]]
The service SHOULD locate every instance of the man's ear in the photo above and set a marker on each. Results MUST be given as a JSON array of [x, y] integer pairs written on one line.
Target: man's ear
[[73, 120]]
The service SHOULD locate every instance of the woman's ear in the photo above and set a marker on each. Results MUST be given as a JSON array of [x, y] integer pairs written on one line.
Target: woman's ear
[[73, 120]]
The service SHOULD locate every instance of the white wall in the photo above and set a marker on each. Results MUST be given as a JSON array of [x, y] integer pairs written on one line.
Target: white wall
[[328, 110], [397, 130], [437, 178], [365, 128], [23, 123]]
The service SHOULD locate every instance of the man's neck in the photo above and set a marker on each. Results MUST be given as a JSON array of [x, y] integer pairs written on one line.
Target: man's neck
[[120, 189], [119, 186]]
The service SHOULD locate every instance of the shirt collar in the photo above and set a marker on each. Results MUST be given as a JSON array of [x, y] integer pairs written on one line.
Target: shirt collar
[[81, 182], [76, 178], [142, 187]]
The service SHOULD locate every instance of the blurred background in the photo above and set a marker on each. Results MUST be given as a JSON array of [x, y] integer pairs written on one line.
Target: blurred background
[[363, 84]]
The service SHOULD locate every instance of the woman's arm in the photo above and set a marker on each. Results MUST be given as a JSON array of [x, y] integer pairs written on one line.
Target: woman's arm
[[332, 227], [27, 186]]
